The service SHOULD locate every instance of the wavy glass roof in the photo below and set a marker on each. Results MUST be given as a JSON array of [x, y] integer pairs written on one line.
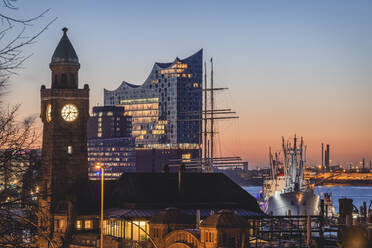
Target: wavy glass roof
[[189, 60]]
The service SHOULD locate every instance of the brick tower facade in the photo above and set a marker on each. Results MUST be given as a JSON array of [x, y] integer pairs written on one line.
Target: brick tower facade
[[64, 113]]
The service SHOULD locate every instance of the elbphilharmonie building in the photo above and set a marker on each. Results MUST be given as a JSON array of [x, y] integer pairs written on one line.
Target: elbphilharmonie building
[[166, 108]]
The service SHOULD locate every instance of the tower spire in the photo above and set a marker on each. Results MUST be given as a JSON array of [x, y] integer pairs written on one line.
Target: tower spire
[[64, 64]]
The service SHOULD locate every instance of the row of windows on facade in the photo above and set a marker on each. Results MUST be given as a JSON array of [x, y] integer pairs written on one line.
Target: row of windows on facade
[[63, 78], [60, 225], [111, 161], [114, 164], [103, 159], [107, 175], [127, 118], [99, 135], [130, 230], [114, 129], [114, 124], [109, 113], [111, 154], [98, 148], [174, 75], [152, 126]]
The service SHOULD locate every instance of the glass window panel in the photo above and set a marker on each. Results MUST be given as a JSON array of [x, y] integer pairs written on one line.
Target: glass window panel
[[128, 230], [135, 230]]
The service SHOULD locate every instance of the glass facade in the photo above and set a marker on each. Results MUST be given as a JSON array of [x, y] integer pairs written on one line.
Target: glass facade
[[118, 155], [166, 109], [110, 142], [136, 230]]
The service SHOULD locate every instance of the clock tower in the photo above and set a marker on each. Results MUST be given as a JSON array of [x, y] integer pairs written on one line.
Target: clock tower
[[64, 113]]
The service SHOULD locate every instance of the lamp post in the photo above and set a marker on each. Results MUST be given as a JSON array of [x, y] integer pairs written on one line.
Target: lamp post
[[102, 168]]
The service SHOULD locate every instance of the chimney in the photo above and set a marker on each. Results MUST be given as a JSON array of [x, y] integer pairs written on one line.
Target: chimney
[[197, 218], [322, 156], [327, 158]]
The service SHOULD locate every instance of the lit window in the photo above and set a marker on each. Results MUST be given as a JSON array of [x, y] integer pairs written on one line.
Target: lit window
[[78, 224], [100, 114], [196, 85], [109, 113], [88, 224], [69, 150], [186, 157], [61, 224]]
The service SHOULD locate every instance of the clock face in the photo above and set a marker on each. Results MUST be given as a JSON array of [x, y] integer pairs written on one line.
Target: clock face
[[69, 112], [48, 113]]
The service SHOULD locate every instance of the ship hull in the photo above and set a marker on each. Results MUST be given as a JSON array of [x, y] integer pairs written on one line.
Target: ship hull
[[299, 203]]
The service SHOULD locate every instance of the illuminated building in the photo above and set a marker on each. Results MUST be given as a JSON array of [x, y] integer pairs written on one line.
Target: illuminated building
[[69, 204], [160, 204], [110, 142], [161, 106]]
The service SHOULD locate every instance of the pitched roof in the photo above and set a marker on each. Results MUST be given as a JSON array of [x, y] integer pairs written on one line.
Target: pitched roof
[[65, 52], [160, 190]]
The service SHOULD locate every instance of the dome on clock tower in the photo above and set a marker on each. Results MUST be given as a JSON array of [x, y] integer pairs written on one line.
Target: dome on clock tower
[[65, 52]]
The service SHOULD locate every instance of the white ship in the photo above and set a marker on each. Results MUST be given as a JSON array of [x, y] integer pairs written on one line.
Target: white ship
[[286, 192]]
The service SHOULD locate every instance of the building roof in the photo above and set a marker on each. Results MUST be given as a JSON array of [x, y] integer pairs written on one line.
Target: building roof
[[65, 52], [160, 190], [225, 218], [195, 58], [172, 216]]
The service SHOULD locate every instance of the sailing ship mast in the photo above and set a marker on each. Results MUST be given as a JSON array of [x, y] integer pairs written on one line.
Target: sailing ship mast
[[207, 160]]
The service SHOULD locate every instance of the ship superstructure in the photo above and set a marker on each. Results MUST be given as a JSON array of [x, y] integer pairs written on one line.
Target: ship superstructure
[[286, 192]]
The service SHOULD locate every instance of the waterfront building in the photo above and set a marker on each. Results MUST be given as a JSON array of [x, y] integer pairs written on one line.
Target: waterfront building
[[162, 205], [166, 108], [110, 142], [69, 203]]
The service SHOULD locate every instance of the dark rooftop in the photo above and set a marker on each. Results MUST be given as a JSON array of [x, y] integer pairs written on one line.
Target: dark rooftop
[[172, 216], [160, 190], [225, 218]]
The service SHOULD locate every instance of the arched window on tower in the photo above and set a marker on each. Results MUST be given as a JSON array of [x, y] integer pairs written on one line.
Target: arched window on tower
[[63, 79], [72, 79]]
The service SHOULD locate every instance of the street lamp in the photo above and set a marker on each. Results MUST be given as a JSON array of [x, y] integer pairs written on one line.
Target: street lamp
[[101, 167]]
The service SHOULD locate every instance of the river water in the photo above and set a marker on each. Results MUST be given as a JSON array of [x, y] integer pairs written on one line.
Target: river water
[[359, 194]]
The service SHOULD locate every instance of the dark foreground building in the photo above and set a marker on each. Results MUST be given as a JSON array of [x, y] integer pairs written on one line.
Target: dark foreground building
[[158, 160], [134, 202]]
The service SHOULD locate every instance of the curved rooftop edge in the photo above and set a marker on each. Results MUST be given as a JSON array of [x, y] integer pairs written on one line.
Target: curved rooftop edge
[[196, 56]]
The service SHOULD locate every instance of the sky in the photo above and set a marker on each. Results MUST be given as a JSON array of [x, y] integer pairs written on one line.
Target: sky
[[292, 67]]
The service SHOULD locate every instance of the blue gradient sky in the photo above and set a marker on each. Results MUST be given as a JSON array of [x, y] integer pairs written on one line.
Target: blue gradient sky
[[300, 67]]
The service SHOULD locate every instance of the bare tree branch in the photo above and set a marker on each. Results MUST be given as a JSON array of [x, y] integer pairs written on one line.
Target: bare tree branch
[[19, 164]]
